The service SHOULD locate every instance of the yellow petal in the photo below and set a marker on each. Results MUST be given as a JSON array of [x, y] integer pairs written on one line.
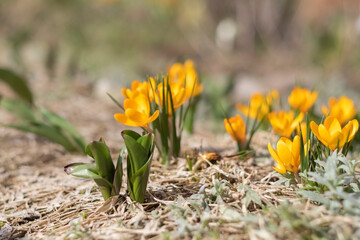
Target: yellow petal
[[122, 118], [280, 168], [153, 117], [284, 153], [324, 110], [315, 129], [136, 117], [273, 153], [334, 127]]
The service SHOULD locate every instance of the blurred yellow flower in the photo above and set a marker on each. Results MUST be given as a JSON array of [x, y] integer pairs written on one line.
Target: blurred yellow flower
[[257, 108], [272, 96], [178, 94], [137, 112], [343, 109], [186, 75], [284, 123], [332, 135], [287, 155], [302, 99], [138, 88], [236, 128]]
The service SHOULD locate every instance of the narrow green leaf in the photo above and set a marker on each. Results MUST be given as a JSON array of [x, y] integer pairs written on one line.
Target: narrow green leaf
[[17, 83], [67, 127], [22, 111], [51, 133]]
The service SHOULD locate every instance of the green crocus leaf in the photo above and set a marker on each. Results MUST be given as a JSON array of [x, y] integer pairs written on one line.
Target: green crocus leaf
[[101, 154], [58, 121], [146, 142], [140, 150], [85, 170], [118, 173], [139, 182], [131, 133], [51, 133], [22, 111], [136, 152], [17, 83]]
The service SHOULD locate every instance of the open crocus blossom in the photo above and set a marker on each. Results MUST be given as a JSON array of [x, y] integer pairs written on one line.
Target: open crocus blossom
[[135, 89], [257, 108], [343, 109], [332, 135], [302, 99], [186, 75], [236, 128], [137, 112], [139, 88], [287, 155], [284, 123], [178, 95]]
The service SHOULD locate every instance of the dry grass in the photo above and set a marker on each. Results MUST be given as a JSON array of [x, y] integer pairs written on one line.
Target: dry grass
[[226, 199]]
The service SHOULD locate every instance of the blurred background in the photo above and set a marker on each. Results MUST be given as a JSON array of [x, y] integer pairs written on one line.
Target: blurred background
[[256, 45]]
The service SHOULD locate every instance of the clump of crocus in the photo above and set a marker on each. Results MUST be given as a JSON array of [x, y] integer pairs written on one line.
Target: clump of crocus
[[343, 109], [157, 101], [186, 76], [259, 105], [332, 135], [287, 155], [236, 128], [284, 123], [302, 99]]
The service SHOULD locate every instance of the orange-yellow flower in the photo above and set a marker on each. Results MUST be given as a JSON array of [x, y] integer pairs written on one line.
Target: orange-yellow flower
[[236, 128], [138, 88], [178, 94], [302, 99], [332, 135], [284, 123], [186, 75], [343, 109], [137, 112], [287, 155], [257, 108], [273, 95]]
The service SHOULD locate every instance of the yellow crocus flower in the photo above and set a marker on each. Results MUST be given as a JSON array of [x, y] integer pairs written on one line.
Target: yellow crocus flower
[[137, 112], [138, 88], [284, 123], [343, 109], [236, 128], [273, 95], [287, 155], [332, 135], [257, 108], [186, 75], [178, 94], [302, 99]]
